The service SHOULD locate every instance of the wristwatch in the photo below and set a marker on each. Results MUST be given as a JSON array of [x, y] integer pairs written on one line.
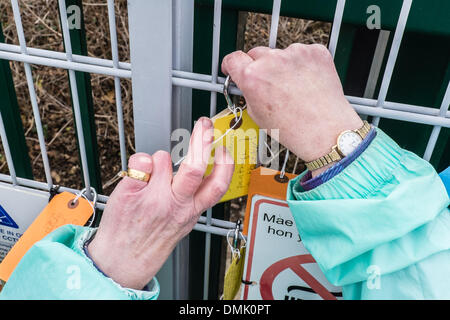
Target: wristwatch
[[347, 142]]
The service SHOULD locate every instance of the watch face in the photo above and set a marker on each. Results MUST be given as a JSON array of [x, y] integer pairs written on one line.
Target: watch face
[[348, 141]]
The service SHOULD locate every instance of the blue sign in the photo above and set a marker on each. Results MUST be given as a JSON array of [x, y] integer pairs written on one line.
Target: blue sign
[[6, 220]]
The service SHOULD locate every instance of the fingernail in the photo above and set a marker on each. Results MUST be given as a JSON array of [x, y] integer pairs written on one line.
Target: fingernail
[[141, 161], [206, 123], [208, 135]]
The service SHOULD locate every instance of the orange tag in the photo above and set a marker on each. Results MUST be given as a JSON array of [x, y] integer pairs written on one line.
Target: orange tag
[[57, 213], [265, 182]]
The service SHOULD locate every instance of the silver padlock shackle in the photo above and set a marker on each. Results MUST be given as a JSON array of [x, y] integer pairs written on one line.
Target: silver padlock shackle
[[226, 85]]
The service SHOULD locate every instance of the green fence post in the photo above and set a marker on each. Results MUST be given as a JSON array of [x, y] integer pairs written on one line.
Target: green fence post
[[200, 107], [79, 46], [11, 118]]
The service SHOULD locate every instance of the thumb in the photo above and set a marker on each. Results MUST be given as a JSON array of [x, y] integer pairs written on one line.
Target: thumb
[[138, 161]]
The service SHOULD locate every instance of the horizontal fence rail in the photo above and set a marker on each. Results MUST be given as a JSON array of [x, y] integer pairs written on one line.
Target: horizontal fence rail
[[203, 82]]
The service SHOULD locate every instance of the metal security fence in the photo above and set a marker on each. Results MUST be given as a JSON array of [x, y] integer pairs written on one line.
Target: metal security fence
[[162, 54]]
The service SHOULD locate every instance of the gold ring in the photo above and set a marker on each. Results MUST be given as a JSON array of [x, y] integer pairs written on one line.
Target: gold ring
[[135, 174]]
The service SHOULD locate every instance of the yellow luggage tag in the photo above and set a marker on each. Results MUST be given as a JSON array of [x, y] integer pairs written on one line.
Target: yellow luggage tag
[[233, 276], [63, 208], [241, 140]]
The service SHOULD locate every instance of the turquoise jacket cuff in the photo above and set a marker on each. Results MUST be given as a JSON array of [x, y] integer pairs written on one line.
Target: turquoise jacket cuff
[[387, 208], [57, 268], [149, 292]]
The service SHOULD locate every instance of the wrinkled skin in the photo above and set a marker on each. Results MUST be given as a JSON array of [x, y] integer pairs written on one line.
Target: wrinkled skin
[[296, 90], [143, 222]]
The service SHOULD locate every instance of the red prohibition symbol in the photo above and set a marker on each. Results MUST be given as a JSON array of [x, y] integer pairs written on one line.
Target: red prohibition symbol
[[294, 263]]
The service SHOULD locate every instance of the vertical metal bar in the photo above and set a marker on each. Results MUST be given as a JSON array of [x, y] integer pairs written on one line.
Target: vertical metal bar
[[204, 17], [283, 168], [19, 27], [9, 161], [212, 112], [437, 129], [431, 142], [33, 98], [150, 23], [118, 92], [207, 256], [183, 47], [183, 31], [377, 61], [76, 102], [215, 54], [337, 21], [393, 53], [9, 108], [77, 37], [274, 23], [272, 44], [295, 165]]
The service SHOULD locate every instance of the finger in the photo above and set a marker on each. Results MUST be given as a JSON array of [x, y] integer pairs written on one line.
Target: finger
[[138, 161], [192, 169], [162, 171], [234, 65], [216, 184], [258, 52]]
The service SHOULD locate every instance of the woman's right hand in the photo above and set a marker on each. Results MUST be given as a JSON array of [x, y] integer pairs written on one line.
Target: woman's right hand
[[296, 90]]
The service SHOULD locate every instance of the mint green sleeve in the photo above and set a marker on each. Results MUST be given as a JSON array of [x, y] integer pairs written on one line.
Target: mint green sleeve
[[381, 227], [57, 268]]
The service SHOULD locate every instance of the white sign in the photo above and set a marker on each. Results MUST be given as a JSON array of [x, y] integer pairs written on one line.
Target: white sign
[[277, 263], [18, 209]]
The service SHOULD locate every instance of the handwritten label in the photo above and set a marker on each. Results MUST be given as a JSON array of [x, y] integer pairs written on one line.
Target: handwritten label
[[56, 214]]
